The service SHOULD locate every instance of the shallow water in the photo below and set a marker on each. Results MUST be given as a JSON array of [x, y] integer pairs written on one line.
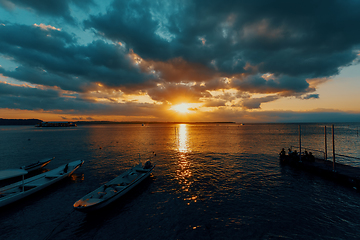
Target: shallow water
[[211, 181]]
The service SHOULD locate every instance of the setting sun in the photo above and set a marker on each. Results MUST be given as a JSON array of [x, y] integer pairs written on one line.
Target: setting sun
[[181, 108]]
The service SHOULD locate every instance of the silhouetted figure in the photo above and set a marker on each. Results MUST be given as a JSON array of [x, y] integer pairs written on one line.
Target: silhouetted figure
[[282, 153], [66, 168], [290, 152], [306, 156], [311, 157], [147, 165]]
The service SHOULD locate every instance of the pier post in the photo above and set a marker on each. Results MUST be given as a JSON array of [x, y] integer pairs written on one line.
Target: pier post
[[333, 141], [325, 145], [299, 143]]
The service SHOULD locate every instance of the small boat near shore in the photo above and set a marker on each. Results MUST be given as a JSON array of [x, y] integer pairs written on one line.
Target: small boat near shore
[[114, 189], [12, 173], [26, 187]]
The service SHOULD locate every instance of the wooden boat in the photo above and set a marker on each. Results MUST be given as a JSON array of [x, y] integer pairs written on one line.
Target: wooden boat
[[114, 189], [12, 173], [37, 165], [24, 188]]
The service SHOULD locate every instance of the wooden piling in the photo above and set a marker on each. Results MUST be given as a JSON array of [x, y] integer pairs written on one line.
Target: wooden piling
[[325, 157], [333, 141], [336, 171], [299, 143]]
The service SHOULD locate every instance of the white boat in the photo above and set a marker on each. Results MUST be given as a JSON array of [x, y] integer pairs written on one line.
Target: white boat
[[24, 188], [12, 173], [114, 189]]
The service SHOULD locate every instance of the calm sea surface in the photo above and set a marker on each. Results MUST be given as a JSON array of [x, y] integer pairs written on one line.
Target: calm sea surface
[[211, 181]]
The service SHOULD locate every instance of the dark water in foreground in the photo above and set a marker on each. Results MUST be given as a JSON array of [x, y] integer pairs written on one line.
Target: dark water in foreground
[[210, 182]]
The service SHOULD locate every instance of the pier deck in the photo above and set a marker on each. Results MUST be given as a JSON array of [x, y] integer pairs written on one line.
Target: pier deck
[[343, 174]]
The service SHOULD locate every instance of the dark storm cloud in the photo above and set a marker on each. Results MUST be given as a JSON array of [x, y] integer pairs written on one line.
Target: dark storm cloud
[[304, 39], [132, 22], [27, 98], [179, 51], [52, 58], [252, 103], [16, 91], [52, 8], [258, 84]]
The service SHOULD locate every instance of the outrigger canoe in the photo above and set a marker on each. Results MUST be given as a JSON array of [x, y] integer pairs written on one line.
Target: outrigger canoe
[[24, 188], [114, 189], [12, 173]]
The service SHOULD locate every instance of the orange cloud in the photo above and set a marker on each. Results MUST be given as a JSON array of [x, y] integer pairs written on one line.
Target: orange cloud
[[46, 27]]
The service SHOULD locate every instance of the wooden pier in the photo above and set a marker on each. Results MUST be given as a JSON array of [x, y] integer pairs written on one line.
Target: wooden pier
[[339, 172], [343, 174]]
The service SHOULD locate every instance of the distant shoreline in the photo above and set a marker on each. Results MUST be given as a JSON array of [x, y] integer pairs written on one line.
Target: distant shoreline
[[19, 121], [37, 121]]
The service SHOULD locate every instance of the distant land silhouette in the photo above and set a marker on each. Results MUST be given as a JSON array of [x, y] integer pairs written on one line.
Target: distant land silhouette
[[37, 121], [19, 121]]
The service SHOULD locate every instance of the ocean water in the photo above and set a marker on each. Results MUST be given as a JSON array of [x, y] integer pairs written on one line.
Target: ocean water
[[211, 181]]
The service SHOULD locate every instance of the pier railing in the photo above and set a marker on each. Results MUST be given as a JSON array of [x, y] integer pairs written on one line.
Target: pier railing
[[354, 161], [326, 154]]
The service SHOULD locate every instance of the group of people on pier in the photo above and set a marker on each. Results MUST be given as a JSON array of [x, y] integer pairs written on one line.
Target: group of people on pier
[[294, 155]]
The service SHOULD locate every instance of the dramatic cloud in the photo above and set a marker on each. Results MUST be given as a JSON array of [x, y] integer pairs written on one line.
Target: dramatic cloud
[[256, 102], [290, 38], [161, 53], [51, 57], [51, 8]]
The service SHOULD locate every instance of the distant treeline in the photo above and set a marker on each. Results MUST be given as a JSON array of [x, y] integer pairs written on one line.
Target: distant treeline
[[19, 121], [37, 121]]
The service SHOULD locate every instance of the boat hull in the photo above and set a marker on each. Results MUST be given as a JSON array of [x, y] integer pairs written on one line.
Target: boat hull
[[17, 191], [38, 165], [12, 174], [91, 206]]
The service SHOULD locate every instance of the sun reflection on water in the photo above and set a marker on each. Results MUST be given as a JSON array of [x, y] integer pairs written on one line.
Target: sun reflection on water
[[184, 173], [183, 143]]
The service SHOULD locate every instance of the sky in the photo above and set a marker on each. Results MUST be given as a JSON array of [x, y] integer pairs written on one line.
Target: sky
[[208, 61]]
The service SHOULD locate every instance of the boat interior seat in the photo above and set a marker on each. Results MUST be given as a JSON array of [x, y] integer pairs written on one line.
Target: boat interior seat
[[28, 186], [100, 195], [119, 188], [52, 176], [109, 193]]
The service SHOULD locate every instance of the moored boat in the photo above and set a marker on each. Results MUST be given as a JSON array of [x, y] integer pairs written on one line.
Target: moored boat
[[37, 165], [114, 189], [24, 188], [13, 173]]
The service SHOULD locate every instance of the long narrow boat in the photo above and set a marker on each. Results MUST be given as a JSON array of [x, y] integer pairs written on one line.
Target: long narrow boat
[[114, 189], [19, 190], [12, 173], [37, 165]]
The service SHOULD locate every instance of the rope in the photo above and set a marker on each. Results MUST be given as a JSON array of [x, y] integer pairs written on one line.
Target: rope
[[51, 233]]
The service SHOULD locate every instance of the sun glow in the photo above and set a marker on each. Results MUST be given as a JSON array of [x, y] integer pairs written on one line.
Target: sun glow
[[181, 108]]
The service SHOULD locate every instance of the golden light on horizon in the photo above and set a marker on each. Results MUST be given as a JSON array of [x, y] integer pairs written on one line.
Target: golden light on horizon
[[181, 108]]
